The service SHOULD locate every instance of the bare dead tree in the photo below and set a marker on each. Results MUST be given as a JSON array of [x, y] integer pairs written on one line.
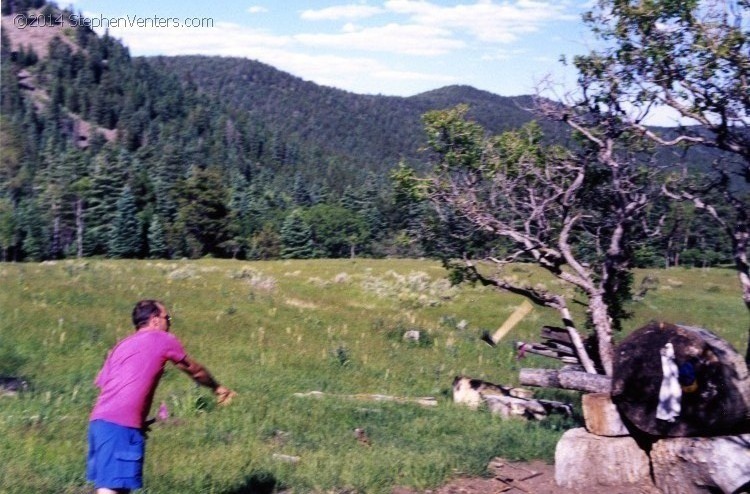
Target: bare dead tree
[[692, 58], [552, 204]]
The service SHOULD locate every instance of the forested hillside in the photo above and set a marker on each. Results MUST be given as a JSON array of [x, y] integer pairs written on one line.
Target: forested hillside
[[108, 154], [371, 131]]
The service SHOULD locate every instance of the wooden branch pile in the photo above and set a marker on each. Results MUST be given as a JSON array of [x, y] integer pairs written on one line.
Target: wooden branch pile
[[556, 344]]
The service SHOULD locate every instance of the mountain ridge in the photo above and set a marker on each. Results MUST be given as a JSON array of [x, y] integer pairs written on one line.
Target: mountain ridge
[[380, 127]]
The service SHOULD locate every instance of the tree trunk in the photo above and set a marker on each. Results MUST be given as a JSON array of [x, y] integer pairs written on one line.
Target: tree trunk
[[575, 338], [702, 465], [743, 271], [740, 240], [717, 399], [601, 321], [79, 227], [56, 248]]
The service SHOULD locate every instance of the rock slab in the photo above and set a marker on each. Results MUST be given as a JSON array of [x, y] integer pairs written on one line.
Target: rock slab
[[584, 460]]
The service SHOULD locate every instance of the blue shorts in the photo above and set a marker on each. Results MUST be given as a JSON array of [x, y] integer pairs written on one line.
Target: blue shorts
[[115, 459]]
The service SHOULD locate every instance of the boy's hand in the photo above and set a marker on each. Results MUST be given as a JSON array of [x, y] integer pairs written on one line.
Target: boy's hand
[[224, 395]]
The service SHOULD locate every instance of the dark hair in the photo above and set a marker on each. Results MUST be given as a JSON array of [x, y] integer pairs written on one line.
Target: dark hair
[[144, 311]]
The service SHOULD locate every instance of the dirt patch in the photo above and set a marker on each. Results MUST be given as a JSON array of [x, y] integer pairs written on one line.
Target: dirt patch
[[24, 32], [535, 477]]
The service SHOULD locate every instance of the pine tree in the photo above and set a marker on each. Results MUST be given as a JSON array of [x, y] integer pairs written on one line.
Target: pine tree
[[10, 96], [35, 242], [7, 228], [107, 179], [296, 237], [125, 236], [203, 215], [157, 239], [369, 209], [265, 244], [239, 206], [300, 192], [363, 202]]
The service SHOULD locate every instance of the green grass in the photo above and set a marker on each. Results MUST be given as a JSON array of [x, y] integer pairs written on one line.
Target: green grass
[[273, 329]]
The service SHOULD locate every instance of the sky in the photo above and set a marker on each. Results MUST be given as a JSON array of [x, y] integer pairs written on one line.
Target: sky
[[392, 47]]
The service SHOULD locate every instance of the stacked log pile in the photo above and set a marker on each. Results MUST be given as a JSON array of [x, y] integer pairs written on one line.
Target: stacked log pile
[[556, 343], [628, 440]]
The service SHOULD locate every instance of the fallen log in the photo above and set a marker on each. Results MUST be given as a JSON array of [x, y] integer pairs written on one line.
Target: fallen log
[[506, 401], [510, 406], [426, 401], [705, 393], [565, 379], [471, 391]]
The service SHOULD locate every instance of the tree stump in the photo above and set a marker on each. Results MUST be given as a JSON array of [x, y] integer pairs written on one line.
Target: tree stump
[[717, 402], [584, 460], [702, 465]]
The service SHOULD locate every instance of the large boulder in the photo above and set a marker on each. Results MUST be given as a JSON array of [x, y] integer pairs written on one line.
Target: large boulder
[[702, 465]]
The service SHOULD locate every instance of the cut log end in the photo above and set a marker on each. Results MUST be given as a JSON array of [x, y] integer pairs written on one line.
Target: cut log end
[[714, 398]]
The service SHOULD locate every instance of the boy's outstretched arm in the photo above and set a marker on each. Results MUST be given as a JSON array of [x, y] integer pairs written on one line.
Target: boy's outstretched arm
[[202, 376]]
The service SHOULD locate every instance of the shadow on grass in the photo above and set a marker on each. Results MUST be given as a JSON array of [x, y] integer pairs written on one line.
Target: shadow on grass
[[261, 482]]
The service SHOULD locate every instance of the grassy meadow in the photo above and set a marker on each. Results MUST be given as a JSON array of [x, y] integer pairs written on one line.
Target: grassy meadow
[[270, 330]]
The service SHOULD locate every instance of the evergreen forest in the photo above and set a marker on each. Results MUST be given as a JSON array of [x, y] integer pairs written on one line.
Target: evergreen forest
[[105, 154]]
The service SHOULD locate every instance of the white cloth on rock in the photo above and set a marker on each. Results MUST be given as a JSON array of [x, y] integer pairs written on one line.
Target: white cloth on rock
[[670, 392]]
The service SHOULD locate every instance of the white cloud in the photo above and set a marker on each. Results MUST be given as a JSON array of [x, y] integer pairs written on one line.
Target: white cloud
[[663, 116], [484, 20], [356, 74], [360, 74], [350, 28], [341, 12], [225, 39], [432, 29], [256, 9], [392, 38], [502, 54]]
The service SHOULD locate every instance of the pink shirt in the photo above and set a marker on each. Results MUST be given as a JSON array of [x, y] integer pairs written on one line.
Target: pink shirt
[[130, 374]]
